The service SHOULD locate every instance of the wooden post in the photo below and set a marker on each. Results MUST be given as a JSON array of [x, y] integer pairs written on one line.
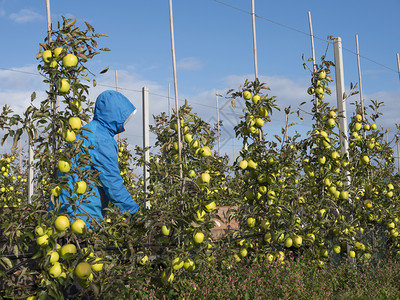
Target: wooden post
[[254, 40], [178, 119], [341, 102], [169, 101], [233, 143], [313, 55], [218, 129], [398, 154], [359, 80], [116, 88], [146, 142], [5, 142], [398, 64]]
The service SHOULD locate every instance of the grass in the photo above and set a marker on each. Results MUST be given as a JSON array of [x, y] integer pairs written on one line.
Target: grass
[[295, 279]]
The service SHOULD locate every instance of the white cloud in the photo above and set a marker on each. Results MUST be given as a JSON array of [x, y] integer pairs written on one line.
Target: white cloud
[[18, 86], [189, 64], [26, 16]]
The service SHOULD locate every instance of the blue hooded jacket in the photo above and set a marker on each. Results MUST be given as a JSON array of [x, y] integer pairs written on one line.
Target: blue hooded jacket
[[112, 111]]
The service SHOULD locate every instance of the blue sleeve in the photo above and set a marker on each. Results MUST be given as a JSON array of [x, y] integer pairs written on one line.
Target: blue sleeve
[[110, 177]]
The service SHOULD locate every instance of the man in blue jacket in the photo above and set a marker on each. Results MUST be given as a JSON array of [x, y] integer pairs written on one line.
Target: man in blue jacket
[[112, 111]]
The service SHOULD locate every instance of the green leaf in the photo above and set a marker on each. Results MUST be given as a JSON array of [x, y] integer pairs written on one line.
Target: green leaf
[[104, 49], [104, 70], [70, 24], [278, 138], [33, 96], [15, 251], [7, 261]]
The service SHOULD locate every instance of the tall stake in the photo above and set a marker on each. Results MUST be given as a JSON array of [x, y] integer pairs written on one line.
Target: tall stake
[[233, 144], [5, 143], [398, 63], [359, 80], [169, 101], [313, 54], [339, 94], [218, 129], [178, 119], [254, 39], [146, 142], [398, 154], [116, 88], [116, 80]]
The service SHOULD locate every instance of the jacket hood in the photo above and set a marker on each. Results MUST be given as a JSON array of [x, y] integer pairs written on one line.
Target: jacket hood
[[112, 110]]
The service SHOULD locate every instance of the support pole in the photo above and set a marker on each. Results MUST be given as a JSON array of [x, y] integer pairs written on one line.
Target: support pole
[[313, 54], [116, 80], [341, 102], [30, 172], [116, 88], [178, 119], [359, 80], [146, 140], [169, 101], [254, 40], [218, 129], [398, 64], [398, 154], [5, 143], [20, 156], [233, 144]]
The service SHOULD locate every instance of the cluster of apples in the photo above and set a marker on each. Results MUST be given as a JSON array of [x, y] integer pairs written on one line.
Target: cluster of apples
[[64, 165], [318, 87], [64, 260], [9, 189], [178, 262], [52, 59], [255, 122]]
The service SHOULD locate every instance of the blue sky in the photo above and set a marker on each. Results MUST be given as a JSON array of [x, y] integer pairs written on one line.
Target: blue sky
[[214, 51]]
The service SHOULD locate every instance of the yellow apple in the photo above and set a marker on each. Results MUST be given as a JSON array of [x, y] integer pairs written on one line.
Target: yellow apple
[[205, 151], [165, 230], [61, 223], [47, 56], [177, 263], [247, 95], [288, 242], [297, 241], [57, 52], [97, 266], [83, 270], [205, 178], [256, 98], [54, 256], [56, 191], [198, 237], [42, 240], [64, 166], [251, 222], [210, 206], [68, 251], [189, 265], [75, 123], [81, 187], [64, 86], [79, 226], [55, 270], [70, 60], [69, 135], [75, 105], [243, 164]]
